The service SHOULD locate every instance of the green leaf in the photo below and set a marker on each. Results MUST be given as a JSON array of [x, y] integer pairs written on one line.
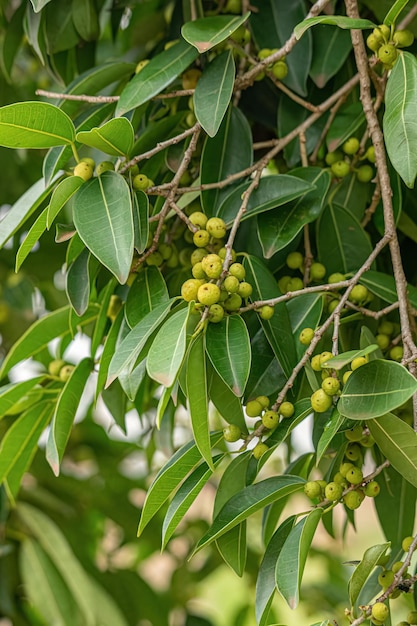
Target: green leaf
[[207, 32], [365, 569], [147, 292], [115, 137], [228, 405], [64, 414], [185, 496], [302, 408], [383, 286], [248, 501], [196, 386], [394, 12], [272, 192], [167, 351], [34, 125], [20, 443], [265, 583], [278, 329], [170, 477], [44, 586], [228, 347], [398, 443], [398, 495], [230, 151], [11, 41], [85, 18], [330, 430], [375, 389], [159, 73], [109, 350], [128, 351], [336, 20], [278, 227], [331, 48], [292, 558], [78, 282], [59, 551], [34, 234], [213, 92], [60, 196], [344, 125], [140, 203], [341, 240], [341, 360], [305, 312], [12, 393], [400, 132], [103, 219]]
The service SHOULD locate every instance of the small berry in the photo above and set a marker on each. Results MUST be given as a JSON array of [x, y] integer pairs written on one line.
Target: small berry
[[254, 408], [212, 265], [380, 611], [264, 401], [104, 166], [352, 500], [397, 566], [383, 340], [280, 70], [216, 227], [333, 491], [270, 419], [406, 543], [365, 173], [344, 468], [330, 385], [346, 376], [259, 450], [83, 170], [295, 284], [208, 294], [351, 146], [245, 289], [396, 353], [189, 289], [355, 433], [201, 238], [198, 255], [55, 367], [287, 409], [372, 489], [312, 489], [320, 401], [324, 357], [358, 294], [233, 302], [358, 362], [198, 218], [216, 313], [266, 312], [403, 39], [336, 277], [373, 43], [65, 372], [315, 363], [306, 336], [317, 271], [140, 182], [354, 476], [197, 271], [387, 54], [370, 154], [232, 433], [353, 452], [295, 260], [237, 269], [386, 578], [340, 169], [332, 157], [412, 617], [231, 284]]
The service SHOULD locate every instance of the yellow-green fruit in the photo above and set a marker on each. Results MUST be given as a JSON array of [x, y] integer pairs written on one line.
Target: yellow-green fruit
[[372, 489], [333, 491], [332, 157], [397, 566], [386, 578], [287, 409], [222, 254], [259, 450], [320, 401], [373, 43], [396, 353], [254, 408], [280, 70], [340, 168], [208, 294], [387, 54], [231, 284], [365, 173], [198, 219], [197, 271], [233, 302], [233, 6], [344, 468], [315, 363], [185, 257], [353, 452], [383, 340], [198, 255], [216, 313], [403, 38], [115, 304], [354, 476], [367, 441], [325, 356], [386, 327], [359, 361], [201, 238], [266, 312], [141, 65], [263, 400], [295, 260], [330, 385], [336, 277], [352, 500], [332, 305], [83, 170], [380, 611], [165, 250], [406, 543], [237, 270], [154, 259], [355, 433], [312, 489], [88, 160], [295, 284], [358, 294], [370, 154], [65, 372], [212, 265], [338, 478], [412, 617], [104, 166], [245, 289], [55, 366], [232, 433], [190, 78], [306, 336], [317, 271], [190, 289], [140, 182], [346, 376], [351, 146], [270, 419], [216, 227]]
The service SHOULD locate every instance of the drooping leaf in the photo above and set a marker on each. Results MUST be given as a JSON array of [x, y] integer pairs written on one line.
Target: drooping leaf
[[103, 219], [61, 194], [11, 41], [226, 402], [34, 125], [228, 347], [35, 232], [147, 292], [337, 20], [276, 228], [398, 495], [170, 477], [364, 569], [383, 286], [398, 443], [346, 122], [115, 137], [207, 32], [160, 72], [168, 349], [292, 558], [394, 12], [248, 501], [86, 19], [331, 48], [400, 133], [78, 282], [375, 389], [64, 414], [330, 430], [109, 349], [12, 393], [140, 203], [272, 192], [196, 387], [213, 92]]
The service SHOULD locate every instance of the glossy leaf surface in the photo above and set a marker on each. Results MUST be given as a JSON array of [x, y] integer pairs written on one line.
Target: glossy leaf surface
[[213, 92], [34, 125]]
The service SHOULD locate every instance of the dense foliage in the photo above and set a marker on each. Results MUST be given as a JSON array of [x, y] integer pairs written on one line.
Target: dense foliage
[[211, 242]]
